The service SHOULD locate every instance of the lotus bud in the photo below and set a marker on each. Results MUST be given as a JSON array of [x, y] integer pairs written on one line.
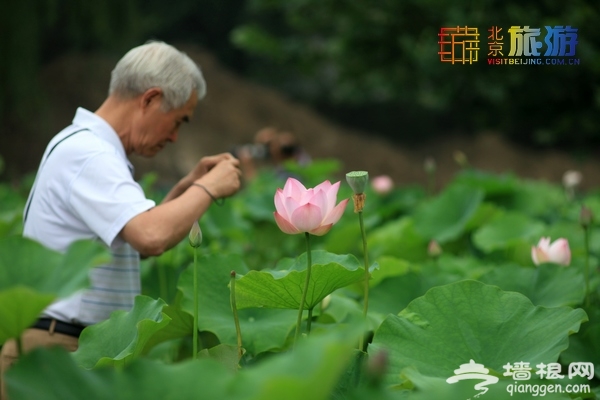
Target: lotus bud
[[325, 302], [195, 236], [434, 249], [377, 367], [357, 181], [429, 165], [586, 217], [572, 179], [558, 252], [461, 159]]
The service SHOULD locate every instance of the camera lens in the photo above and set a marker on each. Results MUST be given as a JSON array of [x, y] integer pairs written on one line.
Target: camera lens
[[289, 150]]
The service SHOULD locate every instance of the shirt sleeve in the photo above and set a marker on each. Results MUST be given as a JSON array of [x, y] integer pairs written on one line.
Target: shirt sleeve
[[105, 196]]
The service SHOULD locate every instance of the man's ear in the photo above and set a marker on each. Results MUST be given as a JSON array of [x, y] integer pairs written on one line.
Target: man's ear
[[152, 96]]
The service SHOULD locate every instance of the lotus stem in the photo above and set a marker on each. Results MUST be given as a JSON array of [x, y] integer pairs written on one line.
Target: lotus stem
[[586, 233], [367, 275], [236, 319], [305, 290], [195, 331], [431, 183], [430, 169]]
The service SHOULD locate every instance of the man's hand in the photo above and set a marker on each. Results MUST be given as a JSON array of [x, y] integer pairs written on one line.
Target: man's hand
[[206, 164], [223, 182], [222, 176]]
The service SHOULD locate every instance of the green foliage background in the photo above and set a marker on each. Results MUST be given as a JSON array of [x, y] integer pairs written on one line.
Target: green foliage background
[[376, 64], [371, 65]]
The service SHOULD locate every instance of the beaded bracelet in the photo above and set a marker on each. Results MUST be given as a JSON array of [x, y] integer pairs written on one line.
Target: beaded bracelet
[[218, 202]]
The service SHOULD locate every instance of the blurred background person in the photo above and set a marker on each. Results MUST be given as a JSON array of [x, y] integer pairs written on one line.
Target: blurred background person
[[271, 149]]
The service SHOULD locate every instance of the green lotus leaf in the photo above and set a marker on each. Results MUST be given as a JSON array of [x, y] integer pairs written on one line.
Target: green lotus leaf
[[468, 320], [548, 285], [398, 238], [509, 229], [51, 374], [445, 217], [492, 184], [20, 306], [26, 262], [283, 288], [585, 345], [32, 276], [428, 387], [537, 199], [225, 354], [397, 290], [123, 337], [181, 324], [312, 371]]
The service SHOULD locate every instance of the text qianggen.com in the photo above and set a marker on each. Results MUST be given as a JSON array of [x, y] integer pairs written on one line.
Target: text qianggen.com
[[542, 390]]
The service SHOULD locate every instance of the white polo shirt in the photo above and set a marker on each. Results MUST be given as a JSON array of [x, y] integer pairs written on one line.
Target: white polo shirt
[[85, 189]]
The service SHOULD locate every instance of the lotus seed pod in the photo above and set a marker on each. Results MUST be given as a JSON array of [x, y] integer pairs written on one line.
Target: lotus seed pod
[[357, 181]]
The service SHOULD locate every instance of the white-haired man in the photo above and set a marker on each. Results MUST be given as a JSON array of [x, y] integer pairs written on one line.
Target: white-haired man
[[84, 188]]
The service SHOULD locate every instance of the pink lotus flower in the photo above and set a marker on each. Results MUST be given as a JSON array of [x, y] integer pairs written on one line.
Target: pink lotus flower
[[307, 210], [382, 184], [558, 252]]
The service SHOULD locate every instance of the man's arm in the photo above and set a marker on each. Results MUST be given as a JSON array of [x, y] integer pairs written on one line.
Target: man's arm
[[162, 227], [203, 166]]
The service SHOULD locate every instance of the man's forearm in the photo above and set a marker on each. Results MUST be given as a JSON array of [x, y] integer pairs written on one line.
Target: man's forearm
[[162, 227], [181, 186]]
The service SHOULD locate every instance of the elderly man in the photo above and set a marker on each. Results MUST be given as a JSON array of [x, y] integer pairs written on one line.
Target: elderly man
[[84, 188]]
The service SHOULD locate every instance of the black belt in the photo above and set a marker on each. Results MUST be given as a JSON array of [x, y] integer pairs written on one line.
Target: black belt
[[59, 326]]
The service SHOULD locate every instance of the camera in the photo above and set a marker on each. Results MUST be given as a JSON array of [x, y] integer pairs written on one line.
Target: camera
[[256, 151]]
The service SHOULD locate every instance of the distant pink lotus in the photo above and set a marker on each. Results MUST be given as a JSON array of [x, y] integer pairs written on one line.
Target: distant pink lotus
[[558, 252], [382, 184], [302, 210]]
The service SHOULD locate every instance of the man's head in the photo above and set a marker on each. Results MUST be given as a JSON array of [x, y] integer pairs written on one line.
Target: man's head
[[157, 64], [154, 89]]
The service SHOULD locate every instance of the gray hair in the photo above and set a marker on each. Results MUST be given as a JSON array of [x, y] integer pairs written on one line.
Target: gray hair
[[157, 64]]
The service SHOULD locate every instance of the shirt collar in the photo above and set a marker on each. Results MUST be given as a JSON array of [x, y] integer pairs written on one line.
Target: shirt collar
[[95, 123], [101, 128]]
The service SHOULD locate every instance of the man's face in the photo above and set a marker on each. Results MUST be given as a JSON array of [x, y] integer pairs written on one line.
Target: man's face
[[156, 127]]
